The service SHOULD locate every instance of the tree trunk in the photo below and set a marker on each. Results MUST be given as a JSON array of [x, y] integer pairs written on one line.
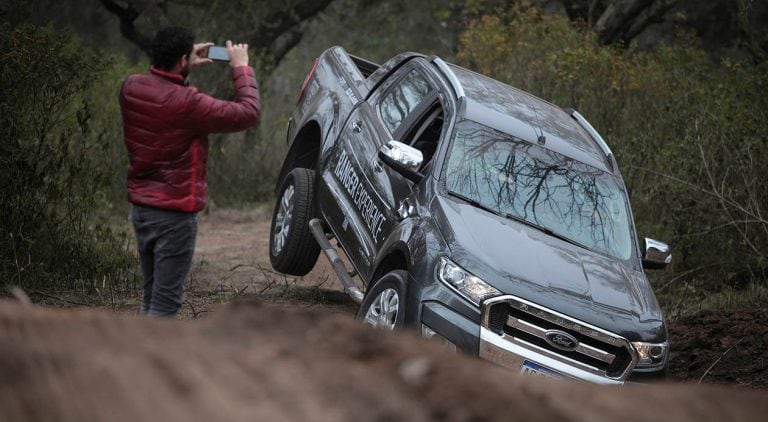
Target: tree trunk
[[622, 20], [617, 20]]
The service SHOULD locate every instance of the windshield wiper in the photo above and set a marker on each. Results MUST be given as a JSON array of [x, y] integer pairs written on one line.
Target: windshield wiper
[[544, 229], [475, 203], [519, 219]]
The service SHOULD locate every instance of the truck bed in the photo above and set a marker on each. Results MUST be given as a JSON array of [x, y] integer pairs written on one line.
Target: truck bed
[[366, 67]]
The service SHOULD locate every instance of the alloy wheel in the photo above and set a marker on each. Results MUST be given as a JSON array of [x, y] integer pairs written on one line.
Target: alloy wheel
[[383, 310], [283, 220]]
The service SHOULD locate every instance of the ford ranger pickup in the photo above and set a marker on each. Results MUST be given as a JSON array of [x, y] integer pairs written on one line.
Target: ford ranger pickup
[[481, 215]]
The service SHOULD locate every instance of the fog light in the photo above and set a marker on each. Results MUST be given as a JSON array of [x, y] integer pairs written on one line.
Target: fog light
[[657, 352], [427, 332], [651, 355]]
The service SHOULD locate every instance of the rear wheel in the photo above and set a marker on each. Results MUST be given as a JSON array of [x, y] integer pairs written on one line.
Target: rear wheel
[[292, 248], [384, 304]]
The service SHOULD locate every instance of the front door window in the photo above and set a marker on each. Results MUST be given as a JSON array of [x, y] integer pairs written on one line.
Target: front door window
[[403, 99]]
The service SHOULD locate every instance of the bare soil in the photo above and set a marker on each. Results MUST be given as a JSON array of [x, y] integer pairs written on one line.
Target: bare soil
[[260, 361], [232, 261], [721, 347]]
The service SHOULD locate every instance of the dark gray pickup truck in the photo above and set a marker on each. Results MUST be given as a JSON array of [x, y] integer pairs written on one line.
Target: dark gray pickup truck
[[478, 213]]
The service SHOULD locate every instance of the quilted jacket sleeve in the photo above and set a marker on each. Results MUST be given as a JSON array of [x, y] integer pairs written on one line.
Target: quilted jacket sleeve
[[211, 115]]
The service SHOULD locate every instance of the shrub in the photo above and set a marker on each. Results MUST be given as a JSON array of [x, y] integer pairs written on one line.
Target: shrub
[[55, 166], [689, 135]]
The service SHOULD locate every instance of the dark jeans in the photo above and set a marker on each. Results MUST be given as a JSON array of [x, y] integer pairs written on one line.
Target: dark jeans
[[166, 242]]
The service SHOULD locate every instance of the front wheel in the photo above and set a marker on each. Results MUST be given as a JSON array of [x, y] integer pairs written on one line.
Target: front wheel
[[384, 304], [292, 248]]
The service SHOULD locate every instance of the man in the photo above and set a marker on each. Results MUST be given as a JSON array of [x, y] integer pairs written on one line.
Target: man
[[166, 123]]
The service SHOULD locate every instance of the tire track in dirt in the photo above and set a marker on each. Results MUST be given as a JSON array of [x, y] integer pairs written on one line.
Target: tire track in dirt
[[232, 260]]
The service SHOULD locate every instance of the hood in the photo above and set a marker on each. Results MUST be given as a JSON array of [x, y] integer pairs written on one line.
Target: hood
[[525, 262]]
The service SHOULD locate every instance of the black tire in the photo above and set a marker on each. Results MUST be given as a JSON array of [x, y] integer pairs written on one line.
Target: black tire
[[292, 249], [382, 294]]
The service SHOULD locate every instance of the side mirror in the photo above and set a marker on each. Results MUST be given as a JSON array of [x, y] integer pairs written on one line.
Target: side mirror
[[402, 158], [656, 255]]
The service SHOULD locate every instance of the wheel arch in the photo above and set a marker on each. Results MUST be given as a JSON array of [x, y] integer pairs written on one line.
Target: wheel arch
[[304, 151], [397, 258]]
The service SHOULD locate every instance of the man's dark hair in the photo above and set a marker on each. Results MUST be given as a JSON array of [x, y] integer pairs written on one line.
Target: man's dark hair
[[169, 45]]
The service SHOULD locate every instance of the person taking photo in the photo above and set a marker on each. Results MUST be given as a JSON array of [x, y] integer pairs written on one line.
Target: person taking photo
[[166, 123]]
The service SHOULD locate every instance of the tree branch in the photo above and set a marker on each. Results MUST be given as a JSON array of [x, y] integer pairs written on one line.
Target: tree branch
[[578, 9], [284, 44], [617, 20], [278, 33], [274, 36], [748, 34], [624, 19], [127, 16], [650, 15], [133, 10]]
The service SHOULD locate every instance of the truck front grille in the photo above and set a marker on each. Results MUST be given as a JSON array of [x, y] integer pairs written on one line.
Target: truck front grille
[[526, 324]]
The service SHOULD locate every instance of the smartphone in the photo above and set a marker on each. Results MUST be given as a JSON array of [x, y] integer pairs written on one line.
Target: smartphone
[[218, 53]]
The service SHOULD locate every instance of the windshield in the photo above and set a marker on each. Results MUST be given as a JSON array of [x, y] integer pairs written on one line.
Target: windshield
[[523, 180]]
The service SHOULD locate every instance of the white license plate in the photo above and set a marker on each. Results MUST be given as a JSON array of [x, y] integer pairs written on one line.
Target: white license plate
[[532, 368]]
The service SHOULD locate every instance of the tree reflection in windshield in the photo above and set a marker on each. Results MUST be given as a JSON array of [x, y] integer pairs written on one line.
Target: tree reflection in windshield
[[540, 186]]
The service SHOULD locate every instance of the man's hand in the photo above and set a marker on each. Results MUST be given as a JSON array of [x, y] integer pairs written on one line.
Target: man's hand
[[238, 54], [199, 54]]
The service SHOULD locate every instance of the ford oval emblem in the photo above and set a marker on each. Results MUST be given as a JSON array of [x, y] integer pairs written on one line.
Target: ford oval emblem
[[561, 340]]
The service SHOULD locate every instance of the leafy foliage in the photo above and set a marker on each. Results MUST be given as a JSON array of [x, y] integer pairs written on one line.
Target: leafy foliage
[[689, 135], [53, 164]]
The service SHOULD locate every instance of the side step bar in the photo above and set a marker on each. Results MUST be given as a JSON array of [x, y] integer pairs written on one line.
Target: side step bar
[[316, 226]]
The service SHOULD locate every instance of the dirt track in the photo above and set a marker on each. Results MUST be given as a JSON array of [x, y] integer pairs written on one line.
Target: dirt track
[[232, 260], [264, 362]]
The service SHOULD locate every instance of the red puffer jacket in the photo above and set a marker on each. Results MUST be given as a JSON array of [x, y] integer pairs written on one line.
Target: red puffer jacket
[[166, 126]]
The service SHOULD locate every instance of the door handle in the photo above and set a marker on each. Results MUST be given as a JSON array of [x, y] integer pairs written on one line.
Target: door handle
[[405, 209], [357, 126]]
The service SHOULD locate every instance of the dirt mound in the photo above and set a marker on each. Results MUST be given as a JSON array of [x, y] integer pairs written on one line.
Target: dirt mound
[[734, 345], [260, 362]]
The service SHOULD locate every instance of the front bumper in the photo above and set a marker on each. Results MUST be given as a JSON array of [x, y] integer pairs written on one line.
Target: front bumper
[[516, 340], [506, 353], [514, 326]]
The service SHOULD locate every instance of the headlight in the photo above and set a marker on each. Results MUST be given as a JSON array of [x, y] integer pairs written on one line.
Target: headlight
[[651, 354], [472, 288]]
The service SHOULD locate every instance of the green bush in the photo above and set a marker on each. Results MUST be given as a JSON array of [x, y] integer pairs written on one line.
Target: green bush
[[58, 138], [689, 135]]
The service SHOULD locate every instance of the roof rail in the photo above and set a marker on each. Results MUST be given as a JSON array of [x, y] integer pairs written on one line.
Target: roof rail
[[450, 75], [592, 132]]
